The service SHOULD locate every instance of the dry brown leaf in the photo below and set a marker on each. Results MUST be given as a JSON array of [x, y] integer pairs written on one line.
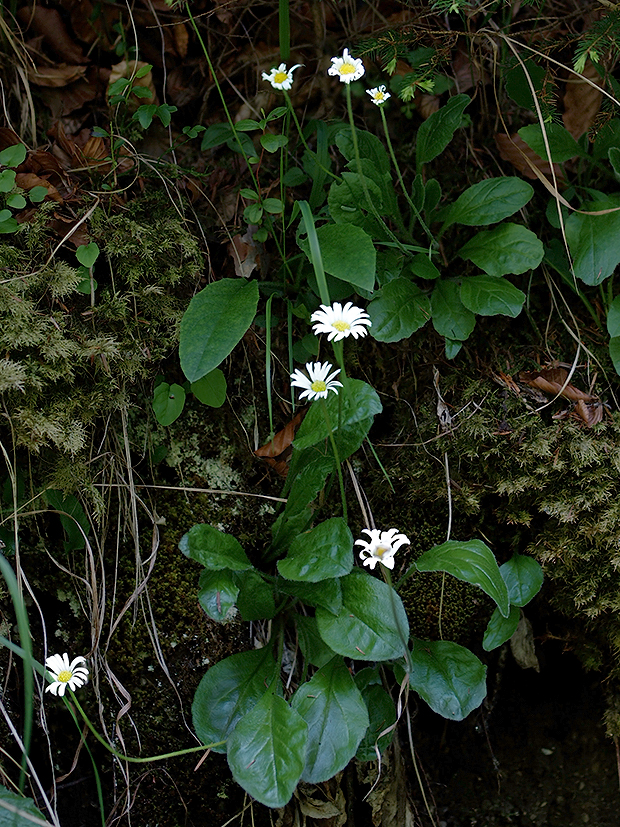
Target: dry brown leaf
[[277, 452], [48, 24], [245, 254], [28, 180], [582, 101], [55, 76], [68, 229], [181, 39], [552, 381], [467, 71], [513, 148]]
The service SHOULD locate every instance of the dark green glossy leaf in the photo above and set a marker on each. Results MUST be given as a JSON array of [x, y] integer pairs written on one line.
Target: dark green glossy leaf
[[214, 323], [325, 593], [228, 691], [214, 549], [593, 241], [372, 624], [324, 552], [489, 296], [348, 253], [509, 248], [382, 715], [500, 629], [450, 316], [448, 677], [435, 133], [255, 599], [561, 143], [334, 710], [471, 561], [523, 577], [218, 592], [267, 751], [17, 810], [312, 645], [489, 201], [400, 310]]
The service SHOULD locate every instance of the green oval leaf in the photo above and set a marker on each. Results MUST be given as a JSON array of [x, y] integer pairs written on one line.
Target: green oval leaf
[[489, 201], [614, 352], [13, 155], [313, 647], [214, 323], [229, 690], [436, 132], [217, 593], [272, 143], [348, 253], [613, 318], [16, 201], [448, 677], [324, 552], [17, 811], [267, 751], [593, 241], [382, 715], [334, 710], [500, 629], [400, 310], [87, 254], [372, 624], [37, 194], [450, 316], [523, 577], [211, 389], [472, 561], [561, 143], [509, 248], [255, 599], [214, 549], [168, 400], [7, 180], [489, 296]]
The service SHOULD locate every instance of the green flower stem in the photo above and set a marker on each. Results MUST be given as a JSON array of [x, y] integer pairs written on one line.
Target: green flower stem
[[221, 94], [268, 363], [400, 177], [303, 140], [387, 576], [336, 457], [358, 161], [18, 650], [131, 759]]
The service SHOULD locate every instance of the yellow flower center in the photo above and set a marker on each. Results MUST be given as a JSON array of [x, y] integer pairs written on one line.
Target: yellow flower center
[[280, 77], [318, 386], [341, 325], [65, 676], [347, 69], [379, 96]]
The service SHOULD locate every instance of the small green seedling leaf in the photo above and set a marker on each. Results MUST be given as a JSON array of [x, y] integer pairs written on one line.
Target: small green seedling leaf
[[37, 194], [211, 389], [144, 115], [16, 201], [13, 155], [7, 180], [450, 316], [272, 143], [168, 402], [87, 254], [217, 593]]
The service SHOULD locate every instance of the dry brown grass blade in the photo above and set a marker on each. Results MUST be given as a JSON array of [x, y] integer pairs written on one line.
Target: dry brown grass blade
[[582, 101]]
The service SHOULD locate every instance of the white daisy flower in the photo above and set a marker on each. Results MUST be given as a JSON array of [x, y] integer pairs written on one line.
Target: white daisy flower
[[381, 547], [340, 322], [65, 673], [347, 68], [378, 95], [281, 78], [317, 383]]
